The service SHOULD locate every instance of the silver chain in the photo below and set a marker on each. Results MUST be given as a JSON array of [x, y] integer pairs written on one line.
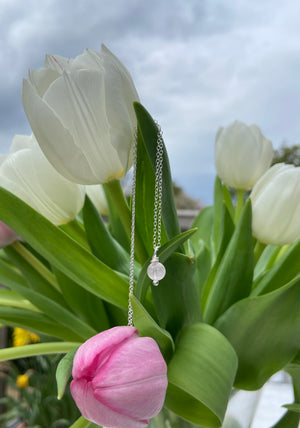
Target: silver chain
[[131, 266], [156, 214], [158, 190]]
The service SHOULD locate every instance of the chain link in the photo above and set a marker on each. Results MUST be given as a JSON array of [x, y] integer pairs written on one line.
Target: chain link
[[158, 189], [131, 266]]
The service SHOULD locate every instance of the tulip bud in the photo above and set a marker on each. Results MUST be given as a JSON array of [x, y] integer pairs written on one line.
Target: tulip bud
[[119, 378], [242, 155], [7, 235], [81, 113], [97, 195], [276, 205], [27, 174]]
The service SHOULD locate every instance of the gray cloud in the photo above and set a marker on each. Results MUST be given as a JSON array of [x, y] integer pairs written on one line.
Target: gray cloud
[[197, 65]]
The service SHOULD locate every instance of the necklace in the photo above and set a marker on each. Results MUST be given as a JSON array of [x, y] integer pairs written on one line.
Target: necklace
[[156, 270]]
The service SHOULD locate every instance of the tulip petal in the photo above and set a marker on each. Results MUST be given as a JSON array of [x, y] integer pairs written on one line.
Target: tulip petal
[[88, 354], [42, 78], [119, 86], [49, 130], [276, 208], [20, 142], [27, 174], [143, 382], [57, 63], [96, 412], [78, 100], [7, 235]]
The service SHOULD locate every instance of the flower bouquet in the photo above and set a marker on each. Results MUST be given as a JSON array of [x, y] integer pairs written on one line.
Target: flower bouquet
[[220, 311]]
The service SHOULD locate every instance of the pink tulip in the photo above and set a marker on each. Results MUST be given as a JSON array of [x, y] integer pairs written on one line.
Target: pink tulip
[[119, 378], [7, 235]]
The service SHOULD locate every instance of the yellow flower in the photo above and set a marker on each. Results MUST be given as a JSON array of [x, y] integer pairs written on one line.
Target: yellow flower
[[22, 337], [22, 381], [34, 338]]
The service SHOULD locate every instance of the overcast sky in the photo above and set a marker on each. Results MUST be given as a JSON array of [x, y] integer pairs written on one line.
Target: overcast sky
[[197, 65]]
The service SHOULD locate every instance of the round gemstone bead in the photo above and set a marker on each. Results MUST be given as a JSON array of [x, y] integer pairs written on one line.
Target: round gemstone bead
[[156, 271]]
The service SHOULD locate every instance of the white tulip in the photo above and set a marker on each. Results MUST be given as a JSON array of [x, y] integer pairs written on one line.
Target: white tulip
[[276, 205], [242, 155], [97, 195], [27, 174], [81, 113]]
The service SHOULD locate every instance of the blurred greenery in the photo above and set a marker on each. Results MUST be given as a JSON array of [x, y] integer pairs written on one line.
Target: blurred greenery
[[36, 405]]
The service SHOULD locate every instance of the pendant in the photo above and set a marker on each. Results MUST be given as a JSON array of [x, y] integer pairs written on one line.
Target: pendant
[[156, 270]]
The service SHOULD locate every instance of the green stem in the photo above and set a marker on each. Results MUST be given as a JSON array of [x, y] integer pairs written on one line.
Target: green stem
[[258, 250], [240, 195], [35, 263], [13, 353], [82, 423], [118, 198]]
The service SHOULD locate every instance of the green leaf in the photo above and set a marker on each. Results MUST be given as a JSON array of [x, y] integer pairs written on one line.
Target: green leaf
[[148, 131], [115, 225], [64, 371], [13, 353], [176, 298], [201, 374], [228, 201], [37, 322], [92, 311], [265, 262], [83, 423], [11, 299], [148, 327], [218, 209], [10, 275], [233, 279], [34, 279], [264, 331], [55, 311], [145, 185], [295, 407], [293, 369], [282, 272], [226, 231], [289, 420], [163, 253], [203, 266], [204, 223], [62, 251], [103, 245]]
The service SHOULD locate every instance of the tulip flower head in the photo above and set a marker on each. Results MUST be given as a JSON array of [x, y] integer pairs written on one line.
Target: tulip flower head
[[119, 378], [242, 155], [27, 174], [81, 113], [276, 205]]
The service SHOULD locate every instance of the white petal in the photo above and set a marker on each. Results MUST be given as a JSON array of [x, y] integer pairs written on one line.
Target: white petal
[[120, 95], [29, 175], [42, 78], [97, 196], [21, 142], [57, 63], [54, 139], [89, 59], [78, 100]]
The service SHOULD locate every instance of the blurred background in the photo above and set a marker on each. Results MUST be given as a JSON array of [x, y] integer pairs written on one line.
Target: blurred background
[[197, 65]]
